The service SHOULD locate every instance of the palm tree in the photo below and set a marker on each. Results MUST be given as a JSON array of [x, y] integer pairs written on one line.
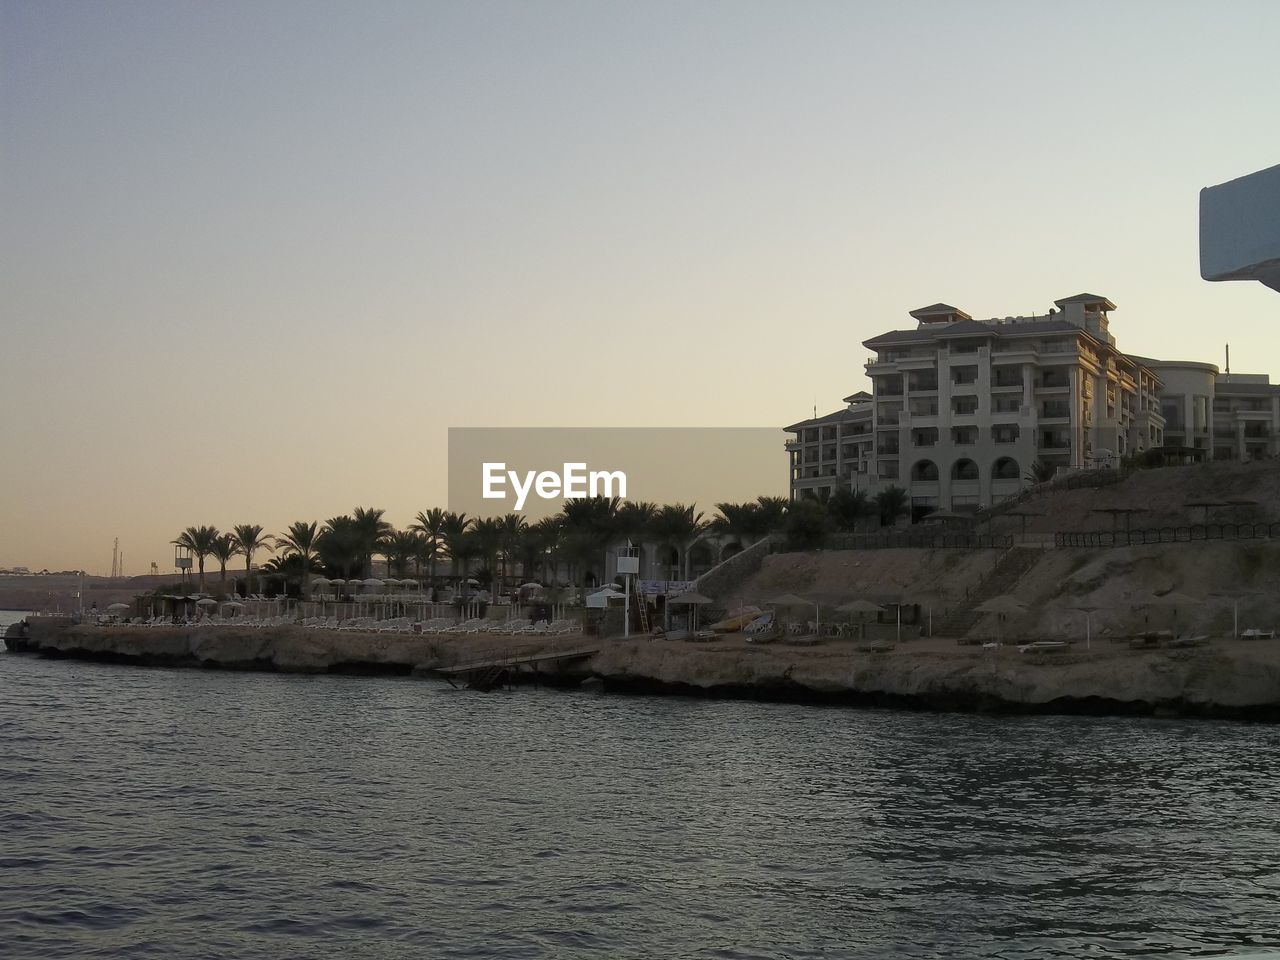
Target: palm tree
[[249, 538], [371, 528], [513, 532], [431, 525], [400, 549], [224, 548], [807, 522], [892, 502], [849, 507], [591, 525], [486, 539], [1039, 472], [738, 520], [676, 527], [287, 566], [199, 540], [302, 539], [634, 519], [773, 513], [547, 539], [454, 528], [341, 546]]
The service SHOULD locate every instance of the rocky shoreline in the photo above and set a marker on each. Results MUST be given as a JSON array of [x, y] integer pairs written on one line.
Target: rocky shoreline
[[1237, 680]]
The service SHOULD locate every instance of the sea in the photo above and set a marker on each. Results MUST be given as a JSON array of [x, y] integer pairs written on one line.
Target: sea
[[213, 814]]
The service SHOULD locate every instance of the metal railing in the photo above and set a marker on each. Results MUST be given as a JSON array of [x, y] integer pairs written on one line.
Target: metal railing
[[918, 539], [1189, 533]]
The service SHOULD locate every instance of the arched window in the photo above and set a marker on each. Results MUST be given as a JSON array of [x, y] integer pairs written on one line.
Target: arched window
[[964, 470], [1006, 468], [924, 470]]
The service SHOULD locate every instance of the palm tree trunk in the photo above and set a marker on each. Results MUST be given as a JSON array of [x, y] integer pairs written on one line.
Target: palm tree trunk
[[202, 574]]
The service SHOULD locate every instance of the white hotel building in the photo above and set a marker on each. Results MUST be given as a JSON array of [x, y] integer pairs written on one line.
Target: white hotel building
[[961, 408]]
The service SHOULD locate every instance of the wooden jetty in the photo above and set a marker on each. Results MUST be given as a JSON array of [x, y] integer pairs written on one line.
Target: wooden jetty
[[485, 675]]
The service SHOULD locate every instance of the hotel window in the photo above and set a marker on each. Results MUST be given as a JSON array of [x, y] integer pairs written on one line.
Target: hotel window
[[964, 406], [925, 437]]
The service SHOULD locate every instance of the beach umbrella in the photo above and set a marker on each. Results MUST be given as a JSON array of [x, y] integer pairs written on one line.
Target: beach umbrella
[[791, 600], [691, 599], [117, 607], [895, 596], [409, 583], [1235, 596], [1173, 600], [1088, 609], [861, 607], [1001, 606], [931, 599]]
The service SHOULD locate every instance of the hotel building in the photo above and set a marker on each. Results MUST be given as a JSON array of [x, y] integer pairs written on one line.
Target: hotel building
[[960, 409]]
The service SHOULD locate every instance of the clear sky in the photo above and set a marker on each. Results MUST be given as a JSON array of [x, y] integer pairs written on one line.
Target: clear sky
[[256, 258]]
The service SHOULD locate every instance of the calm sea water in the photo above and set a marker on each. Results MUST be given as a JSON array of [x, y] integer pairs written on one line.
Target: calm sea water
[[183, 814]]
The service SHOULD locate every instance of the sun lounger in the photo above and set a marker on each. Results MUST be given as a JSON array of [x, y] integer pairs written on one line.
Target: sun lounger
[[679, 635], [1043, 646], [704, 636], [1254, 633]]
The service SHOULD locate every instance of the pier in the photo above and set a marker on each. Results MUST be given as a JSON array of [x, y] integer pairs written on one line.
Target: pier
[[488, 674]]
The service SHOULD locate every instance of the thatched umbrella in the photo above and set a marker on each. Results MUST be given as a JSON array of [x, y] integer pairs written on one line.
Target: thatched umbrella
[[1173, 600], [1023, 514], [930, 598], [1001, 606], [1235, 596], [1205, 505], [861, 607], [895, 596], [1088, 609], [693, 599], [791, 600]]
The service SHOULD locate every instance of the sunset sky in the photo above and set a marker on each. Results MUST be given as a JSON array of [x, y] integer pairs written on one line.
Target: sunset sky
[[257, 258]]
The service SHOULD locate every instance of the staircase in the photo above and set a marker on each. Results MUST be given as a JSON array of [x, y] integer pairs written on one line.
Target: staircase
[[1013, 563]]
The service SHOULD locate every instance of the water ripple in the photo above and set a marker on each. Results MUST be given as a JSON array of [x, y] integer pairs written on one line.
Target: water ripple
[[184, 814]]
